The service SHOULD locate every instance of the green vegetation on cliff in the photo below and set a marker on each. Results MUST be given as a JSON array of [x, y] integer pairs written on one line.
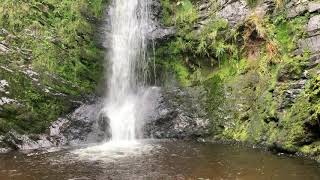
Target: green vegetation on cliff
[[48, 59], [260, 88]]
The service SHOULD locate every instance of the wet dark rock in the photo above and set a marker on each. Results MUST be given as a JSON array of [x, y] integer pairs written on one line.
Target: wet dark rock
[[3, 146], [205, 5], [104, 126], [85, 125], [81, 126], [179, 114], [288, 72], [17, 141], [277, 148], [81, 122], [288, 93], [204, 12]]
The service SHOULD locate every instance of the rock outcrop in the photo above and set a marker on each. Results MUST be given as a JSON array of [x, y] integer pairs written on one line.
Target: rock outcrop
[[233, 11], [84, 125], [179, 114], [156, 31]]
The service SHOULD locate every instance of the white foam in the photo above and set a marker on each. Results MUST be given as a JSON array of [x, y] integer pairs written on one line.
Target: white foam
[[114, 150]]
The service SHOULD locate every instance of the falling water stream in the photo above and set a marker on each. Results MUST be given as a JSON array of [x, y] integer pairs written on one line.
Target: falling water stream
[[129, 22], [126, 99]]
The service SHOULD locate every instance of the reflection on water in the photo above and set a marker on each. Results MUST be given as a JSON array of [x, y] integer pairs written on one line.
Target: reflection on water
[[157, 160]]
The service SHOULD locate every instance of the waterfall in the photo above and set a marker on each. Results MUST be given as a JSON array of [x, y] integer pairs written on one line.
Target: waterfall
[[129, 67]]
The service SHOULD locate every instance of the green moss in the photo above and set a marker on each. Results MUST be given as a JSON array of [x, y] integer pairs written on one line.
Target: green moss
[[252, 3], [312, 149], [182, 73], [56, 36], [55, 39], [248, 93]]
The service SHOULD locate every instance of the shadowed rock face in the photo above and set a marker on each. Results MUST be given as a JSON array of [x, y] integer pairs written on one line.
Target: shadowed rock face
[[178, 114], [84, 125]]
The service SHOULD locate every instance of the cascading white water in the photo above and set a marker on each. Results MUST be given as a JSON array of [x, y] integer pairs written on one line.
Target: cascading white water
[[128, 100], [129, 21]]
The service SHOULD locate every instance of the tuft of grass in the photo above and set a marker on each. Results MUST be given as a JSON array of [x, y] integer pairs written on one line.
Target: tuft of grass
[[252, 3]]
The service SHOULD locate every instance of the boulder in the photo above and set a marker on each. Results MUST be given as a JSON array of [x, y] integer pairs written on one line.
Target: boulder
[[161, 33], [3, 147], [314, 25], [314, 60], [17, 141], [81, 126], [314, 7], [178, 114], [296, 8], [311, 44], [234, 12]]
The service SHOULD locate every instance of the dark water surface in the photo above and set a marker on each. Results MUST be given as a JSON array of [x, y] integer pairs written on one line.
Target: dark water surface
[[157, 160]]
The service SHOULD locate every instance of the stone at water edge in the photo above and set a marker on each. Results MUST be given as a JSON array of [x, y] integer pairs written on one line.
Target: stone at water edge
[[178, 115], [3, 146]]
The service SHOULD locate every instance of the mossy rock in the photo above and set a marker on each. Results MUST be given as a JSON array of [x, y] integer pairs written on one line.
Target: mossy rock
[[290, 71]]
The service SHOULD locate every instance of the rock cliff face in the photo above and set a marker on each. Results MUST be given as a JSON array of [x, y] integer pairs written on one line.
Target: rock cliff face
[[259, 64]]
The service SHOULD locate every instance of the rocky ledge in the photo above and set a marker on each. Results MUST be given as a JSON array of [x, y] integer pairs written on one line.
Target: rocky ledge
[[177, 114], [80, 126]]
